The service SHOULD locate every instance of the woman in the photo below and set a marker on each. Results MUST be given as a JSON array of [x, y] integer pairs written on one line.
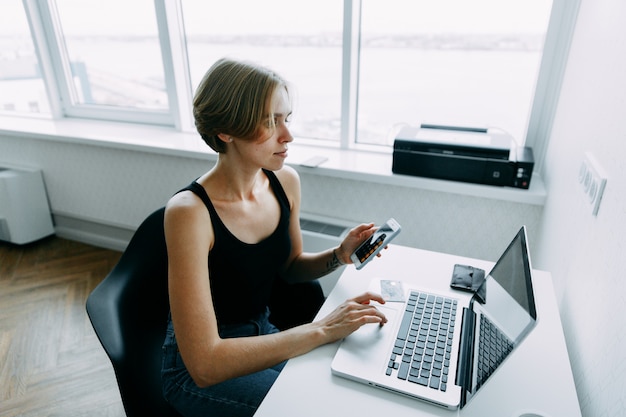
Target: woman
[[221, 353]]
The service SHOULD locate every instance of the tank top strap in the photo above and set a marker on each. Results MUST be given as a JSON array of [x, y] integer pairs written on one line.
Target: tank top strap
[[199, 190], [278, 189]]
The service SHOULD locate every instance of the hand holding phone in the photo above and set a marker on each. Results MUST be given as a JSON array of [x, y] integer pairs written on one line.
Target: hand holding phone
[[377, 242]]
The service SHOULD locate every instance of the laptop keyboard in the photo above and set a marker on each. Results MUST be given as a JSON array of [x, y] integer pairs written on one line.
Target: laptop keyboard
[[493, 347], [421, 354]]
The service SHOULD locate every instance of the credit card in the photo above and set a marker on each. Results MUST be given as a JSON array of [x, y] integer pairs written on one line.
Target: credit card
[[391, 290]]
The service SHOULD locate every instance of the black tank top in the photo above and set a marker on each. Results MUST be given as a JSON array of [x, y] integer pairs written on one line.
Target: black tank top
[[242, 274]]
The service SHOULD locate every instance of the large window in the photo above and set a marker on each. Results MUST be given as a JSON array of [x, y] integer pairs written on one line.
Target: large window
[[299, 40], [107, 59], [359, 68], [22, 90], [449, 62], [113, 55]]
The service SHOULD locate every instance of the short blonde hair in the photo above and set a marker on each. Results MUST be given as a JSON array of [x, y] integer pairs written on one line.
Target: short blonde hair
[[234, 99]]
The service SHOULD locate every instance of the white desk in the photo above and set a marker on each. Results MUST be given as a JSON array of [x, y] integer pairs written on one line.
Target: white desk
[[536, 378]]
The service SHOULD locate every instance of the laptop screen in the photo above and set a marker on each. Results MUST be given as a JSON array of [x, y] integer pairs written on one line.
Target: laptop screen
[[507, 315], [512, 274]]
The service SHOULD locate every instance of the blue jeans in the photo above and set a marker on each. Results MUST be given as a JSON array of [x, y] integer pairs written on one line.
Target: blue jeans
[[236, 397]]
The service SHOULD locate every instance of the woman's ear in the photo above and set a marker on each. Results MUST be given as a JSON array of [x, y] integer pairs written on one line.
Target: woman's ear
[[225, 138]]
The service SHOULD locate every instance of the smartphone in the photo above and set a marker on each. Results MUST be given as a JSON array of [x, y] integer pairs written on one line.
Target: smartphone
[[377, 242]]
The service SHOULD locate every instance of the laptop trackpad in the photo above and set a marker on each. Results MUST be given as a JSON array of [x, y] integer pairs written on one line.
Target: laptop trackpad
[[367, 343]]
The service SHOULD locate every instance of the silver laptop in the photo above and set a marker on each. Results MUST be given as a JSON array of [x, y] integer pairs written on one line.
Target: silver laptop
[[437, 350]]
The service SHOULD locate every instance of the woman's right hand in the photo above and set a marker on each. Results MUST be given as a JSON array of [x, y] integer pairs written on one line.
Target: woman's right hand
[[351, 315]]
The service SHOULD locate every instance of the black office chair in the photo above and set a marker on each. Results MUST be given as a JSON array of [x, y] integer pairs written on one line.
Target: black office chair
[[129, 308]]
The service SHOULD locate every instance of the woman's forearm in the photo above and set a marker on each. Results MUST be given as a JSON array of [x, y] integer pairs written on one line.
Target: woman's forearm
[[309, 266]]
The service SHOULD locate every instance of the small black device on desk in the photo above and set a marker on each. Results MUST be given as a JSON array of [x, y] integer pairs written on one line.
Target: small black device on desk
[[469, 278], [476, 155]]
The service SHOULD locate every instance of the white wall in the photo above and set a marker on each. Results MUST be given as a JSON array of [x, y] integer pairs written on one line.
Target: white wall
[[99, 195], [96, 190], [462, 225], [584, 253], [104, 186]]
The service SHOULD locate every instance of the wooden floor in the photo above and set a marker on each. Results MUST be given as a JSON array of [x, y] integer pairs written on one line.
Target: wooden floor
[[51, 363]]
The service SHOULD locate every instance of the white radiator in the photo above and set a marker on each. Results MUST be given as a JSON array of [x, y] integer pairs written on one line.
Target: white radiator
[[320, 233], [24, 210]]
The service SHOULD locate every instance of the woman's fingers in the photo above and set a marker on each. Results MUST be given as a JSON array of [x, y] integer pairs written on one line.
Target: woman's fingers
[[366, 297], [370, 314]]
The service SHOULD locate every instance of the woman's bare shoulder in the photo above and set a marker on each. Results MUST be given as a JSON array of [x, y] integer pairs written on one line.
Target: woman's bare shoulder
[[288, 177], [185, 207]]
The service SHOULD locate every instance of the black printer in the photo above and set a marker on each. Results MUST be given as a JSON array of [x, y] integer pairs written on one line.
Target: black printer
[[476, 155]]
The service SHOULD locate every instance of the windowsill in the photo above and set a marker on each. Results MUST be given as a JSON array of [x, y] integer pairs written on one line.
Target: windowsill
[[349, 164]]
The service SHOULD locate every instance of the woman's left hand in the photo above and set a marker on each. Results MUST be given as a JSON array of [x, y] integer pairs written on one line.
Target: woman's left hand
[[353, 239]]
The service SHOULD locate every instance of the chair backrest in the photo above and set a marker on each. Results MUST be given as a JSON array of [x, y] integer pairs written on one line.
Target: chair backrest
[[128, 311]]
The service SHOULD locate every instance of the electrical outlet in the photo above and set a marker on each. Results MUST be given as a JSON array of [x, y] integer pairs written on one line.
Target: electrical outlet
[[592, 178]]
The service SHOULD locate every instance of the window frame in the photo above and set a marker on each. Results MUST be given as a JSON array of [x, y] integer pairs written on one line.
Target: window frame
[[51, 47], [57, 76], [550, 78]]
